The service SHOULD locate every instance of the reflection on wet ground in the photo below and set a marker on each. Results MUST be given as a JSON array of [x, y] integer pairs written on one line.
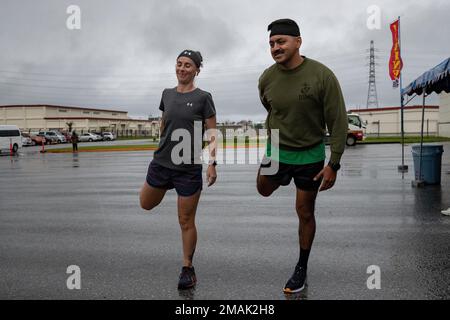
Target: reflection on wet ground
[[188, 294], [302, 295], [75, 162], [58, 210]]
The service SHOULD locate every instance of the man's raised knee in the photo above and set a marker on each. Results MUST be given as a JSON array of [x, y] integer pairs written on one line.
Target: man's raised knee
[[264, 192], [146, 206]]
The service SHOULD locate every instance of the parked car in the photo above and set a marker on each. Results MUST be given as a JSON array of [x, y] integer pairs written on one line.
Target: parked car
[[36, 138], [99, 136], [50, 137], [87, 137], [60, 137], [68, 136], [26, 140], [108, 136]]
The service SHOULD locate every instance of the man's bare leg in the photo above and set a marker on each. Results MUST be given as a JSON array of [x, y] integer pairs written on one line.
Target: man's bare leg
[[305, 205], [264, 185]]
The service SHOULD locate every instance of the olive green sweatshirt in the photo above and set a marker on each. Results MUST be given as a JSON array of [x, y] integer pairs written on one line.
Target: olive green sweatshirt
[[302, 103]]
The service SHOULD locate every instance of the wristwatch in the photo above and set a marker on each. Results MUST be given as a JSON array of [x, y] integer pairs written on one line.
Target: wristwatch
[[334, 166], [212, 163]]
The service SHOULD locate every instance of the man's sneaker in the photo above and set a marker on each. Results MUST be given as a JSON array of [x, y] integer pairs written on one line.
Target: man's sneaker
[[297, 282], [187, 278]]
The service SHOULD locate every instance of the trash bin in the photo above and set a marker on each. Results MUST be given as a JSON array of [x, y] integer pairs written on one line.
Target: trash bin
[[431, 162]]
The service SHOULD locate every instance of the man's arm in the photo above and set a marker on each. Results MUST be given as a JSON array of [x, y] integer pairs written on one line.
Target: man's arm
[[335, 118], [337, 123], [261, 94]]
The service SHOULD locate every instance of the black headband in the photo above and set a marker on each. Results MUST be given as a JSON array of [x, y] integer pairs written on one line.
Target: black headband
[[193, 55], [284, 27]]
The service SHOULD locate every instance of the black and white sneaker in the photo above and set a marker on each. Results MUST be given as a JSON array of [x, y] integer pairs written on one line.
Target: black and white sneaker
[[187, 278], [297, 282]]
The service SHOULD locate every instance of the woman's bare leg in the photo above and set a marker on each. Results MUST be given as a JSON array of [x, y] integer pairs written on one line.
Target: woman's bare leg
[[187, 207], [150, 196]]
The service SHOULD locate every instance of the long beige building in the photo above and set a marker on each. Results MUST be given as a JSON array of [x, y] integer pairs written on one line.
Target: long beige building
[[444, 114], [50, 117], [386, 121]]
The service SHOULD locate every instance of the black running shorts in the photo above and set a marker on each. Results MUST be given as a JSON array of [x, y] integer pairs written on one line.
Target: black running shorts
[[186, 183], [303, 175]]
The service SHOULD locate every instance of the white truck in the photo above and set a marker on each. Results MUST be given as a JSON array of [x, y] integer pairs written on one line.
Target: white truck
[[356, 127], [355, 130]]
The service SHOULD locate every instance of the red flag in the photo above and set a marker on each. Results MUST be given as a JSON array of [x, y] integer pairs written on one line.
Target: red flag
[[395, 62]]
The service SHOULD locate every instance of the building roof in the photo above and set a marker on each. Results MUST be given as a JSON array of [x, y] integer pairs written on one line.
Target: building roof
[[55, 106], [96, 118], [392, 109]]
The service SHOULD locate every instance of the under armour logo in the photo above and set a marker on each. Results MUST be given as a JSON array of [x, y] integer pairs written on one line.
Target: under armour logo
[[190, 104]]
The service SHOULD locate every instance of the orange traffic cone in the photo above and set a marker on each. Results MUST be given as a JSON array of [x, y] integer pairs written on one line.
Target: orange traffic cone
[[43, 142]]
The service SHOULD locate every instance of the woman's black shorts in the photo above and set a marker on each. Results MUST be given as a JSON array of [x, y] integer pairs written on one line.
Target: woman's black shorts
[[186, 183]]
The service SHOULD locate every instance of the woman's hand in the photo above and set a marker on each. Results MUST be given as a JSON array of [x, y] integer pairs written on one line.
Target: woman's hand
[[211, 175]]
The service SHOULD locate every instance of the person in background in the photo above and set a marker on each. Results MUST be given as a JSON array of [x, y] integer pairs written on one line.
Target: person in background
[[74, 140]]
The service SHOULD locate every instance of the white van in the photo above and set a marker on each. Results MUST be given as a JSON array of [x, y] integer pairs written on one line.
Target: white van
[[10, 136]]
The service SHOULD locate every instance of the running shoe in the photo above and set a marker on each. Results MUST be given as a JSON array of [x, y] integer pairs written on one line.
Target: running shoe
[[187, 278], [297, 282]]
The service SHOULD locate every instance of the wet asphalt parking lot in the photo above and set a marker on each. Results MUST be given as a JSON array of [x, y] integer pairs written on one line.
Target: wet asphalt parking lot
[[58, 210]]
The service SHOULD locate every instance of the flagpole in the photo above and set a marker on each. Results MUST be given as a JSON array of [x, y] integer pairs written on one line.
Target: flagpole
[[402, 167]]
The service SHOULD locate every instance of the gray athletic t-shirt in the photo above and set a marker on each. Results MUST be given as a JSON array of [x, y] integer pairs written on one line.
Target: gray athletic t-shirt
[[184, 116]]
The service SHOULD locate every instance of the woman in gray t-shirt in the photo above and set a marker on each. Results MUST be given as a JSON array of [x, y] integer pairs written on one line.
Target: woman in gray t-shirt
[[186, 110]]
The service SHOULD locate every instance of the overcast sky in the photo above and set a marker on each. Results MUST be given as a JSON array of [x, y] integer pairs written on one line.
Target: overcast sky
[[124, 54]]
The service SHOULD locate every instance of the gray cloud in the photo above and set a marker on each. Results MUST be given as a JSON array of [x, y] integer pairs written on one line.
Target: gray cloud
[[124, 54]]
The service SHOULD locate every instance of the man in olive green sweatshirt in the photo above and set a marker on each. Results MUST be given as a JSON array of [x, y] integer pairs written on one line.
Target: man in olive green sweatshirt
[[303, 98]]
